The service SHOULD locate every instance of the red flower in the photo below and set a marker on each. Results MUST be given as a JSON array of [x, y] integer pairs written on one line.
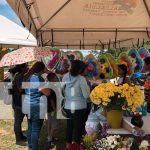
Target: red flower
[[147, 85]]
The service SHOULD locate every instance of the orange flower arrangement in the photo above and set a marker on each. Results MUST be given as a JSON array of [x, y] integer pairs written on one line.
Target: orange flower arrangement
[[147, 85]]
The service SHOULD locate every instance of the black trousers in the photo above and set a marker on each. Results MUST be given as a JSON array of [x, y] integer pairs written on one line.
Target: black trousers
[[75, 125], [18, 116]]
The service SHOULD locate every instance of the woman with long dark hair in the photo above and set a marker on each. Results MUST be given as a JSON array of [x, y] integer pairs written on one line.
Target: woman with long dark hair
[[122, 72], [76, 93], [35, 105]]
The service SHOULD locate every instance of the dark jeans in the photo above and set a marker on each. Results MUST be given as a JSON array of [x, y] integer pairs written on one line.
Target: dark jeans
[[34, 127], [75, 124], [18, 116]]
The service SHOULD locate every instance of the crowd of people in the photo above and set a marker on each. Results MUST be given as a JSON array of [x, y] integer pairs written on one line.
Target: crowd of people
[[77, 105]]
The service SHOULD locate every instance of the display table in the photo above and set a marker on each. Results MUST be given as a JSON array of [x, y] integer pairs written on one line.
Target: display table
[[145, 128]]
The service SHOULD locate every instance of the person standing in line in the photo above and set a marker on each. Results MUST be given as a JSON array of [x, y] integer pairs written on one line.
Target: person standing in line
[[34, 100], [53, 122], [17, 93], [76, 92]]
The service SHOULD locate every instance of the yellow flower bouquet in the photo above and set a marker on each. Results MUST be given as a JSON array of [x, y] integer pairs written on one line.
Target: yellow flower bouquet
[[122, 97]]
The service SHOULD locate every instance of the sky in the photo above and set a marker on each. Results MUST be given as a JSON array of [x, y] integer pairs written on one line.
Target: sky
[[7, 11]]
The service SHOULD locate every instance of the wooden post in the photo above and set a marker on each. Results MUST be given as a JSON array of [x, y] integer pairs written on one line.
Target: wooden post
[[2, 53]]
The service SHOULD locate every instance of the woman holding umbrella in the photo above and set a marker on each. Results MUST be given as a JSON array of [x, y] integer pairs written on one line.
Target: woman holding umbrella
[[33, 97]]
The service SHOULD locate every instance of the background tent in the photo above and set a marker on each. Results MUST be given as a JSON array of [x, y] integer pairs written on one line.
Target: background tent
[[12, 35], [85, 23]]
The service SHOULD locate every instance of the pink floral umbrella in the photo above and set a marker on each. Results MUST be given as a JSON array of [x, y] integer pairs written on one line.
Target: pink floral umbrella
[[24, 55]]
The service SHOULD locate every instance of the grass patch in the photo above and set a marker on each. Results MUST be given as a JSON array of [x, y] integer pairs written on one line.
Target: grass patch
[[7, 137]]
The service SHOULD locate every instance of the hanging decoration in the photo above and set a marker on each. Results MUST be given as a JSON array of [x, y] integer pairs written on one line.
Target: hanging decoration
[[79, 55], [63, 66], [123, 59], [52, 60], [143, 52], [93, 66], [106, 70], [137, 62], [113, 64]]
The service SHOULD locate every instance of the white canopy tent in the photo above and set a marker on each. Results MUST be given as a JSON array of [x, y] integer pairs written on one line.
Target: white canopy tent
[[85, 23], [13, 35]]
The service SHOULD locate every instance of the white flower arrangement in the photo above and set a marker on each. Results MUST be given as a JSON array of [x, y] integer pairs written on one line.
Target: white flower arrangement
[[108, 143], [144, 145], [116, 142]]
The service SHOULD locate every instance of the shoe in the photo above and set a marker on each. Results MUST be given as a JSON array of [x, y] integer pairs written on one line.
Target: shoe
[[50, 144], [24, 138], [21, 143], [54, 139]]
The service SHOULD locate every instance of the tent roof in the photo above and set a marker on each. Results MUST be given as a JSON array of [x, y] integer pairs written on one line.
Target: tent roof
[[84, 23], [12, 34]]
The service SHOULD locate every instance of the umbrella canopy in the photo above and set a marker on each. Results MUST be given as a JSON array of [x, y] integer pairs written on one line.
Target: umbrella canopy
[[88, 24], [24, 55]]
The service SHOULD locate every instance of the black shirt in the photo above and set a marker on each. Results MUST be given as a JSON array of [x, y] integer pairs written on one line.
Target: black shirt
[[50, 98], [17, 94]]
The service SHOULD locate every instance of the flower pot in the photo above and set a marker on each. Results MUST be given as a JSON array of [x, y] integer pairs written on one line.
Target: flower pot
[[114, 118]]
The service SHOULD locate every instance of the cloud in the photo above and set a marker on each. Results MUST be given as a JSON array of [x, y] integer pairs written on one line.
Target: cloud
[[3, 2]]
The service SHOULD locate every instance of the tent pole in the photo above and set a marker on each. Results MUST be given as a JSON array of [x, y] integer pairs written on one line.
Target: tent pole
[[80, 44], [52, 34], [138, 42], [37, 38], [26, 6], [147, 32], [95, 30], [143, 42], [109, 44], [147, 9], [42, 39], [101, 44], [83, 40], [116, 38], [29, 30]]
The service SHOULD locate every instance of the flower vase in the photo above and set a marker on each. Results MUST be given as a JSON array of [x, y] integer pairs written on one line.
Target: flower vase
[[114, 118]]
